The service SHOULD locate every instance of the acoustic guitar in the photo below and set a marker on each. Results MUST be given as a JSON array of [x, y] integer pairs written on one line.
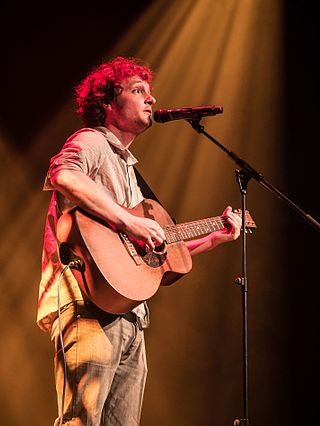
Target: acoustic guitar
[[116, 272]]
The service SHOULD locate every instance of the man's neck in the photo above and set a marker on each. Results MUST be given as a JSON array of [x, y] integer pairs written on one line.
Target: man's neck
[[125, 138]]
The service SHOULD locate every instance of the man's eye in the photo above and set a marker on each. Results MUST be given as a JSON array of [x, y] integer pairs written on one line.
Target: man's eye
[[137, 90]]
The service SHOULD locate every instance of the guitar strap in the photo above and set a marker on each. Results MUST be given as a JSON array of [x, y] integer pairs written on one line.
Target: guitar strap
[[145, 188]]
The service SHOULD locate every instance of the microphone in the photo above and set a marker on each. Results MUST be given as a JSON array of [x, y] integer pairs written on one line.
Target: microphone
[[186, 113]]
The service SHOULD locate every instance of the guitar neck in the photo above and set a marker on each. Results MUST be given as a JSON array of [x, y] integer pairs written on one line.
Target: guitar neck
[[198, 228]]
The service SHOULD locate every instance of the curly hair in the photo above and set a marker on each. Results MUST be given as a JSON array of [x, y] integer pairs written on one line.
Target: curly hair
[[97, 88]]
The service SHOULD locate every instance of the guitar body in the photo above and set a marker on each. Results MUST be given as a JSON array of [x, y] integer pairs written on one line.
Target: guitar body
[[118, 273]]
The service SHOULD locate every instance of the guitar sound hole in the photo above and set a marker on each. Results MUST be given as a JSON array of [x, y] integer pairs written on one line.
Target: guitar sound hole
[[153, 259], [161, 249]]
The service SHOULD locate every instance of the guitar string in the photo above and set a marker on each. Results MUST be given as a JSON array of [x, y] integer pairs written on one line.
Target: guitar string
[[178, 232]]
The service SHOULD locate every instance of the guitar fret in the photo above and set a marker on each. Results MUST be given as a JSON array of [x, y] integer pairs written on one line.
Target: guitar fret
[[187, 231], [171, 235], [184, 232], [191, 230]]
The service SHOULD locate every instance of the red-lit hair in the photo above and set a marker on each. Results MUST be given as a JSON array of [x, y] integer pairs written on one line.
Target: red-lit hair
[[97, 88]]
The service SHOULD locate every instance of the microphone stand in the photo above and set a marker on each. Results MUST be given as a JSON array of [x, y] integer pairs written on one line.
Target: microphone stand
[[243, 176]]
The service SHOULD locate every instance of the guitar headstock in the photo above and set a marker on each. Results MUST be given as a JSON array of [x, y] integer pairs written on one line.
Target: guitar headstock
[[249, 222]]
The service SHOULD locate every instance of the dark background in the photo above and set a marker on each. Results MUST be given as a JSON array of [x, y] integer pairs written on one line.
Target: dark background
[[302, 140]]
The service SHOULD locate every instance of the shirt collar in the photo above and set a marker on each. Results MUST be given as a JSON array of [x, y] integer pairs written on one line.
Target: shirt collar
[[128, 157]]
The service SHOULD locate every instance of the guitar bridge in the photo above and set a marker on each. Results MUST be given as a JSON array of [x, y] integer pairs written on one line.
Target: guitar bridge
[[130, 248]]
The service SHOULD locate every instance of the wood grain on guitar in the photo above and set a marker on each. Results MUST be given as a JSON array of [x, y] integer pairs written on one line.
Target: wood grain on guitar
[[119, 273]]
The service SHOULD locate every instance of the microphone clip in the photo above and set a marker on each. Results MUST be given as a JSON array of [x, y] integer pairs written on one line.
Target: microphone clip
[[195, 123]]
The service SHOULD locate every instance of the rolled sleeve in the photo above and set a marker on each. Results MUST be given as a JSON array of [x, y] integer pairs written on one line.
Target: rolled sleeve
[[80, 153], [72, 157]]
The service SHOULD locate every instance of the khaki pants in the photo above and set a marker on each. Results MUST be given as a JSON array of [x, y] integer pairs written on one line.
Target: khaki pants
[[106, 367]]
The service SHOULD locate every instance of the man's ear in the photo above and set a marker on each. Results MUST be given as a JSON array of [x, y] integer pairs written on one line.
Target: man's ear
[[107, 107]]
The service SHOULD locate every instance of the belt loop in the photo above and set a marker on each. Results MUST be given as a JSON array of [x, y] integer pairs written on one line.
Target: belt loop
[[133, 317]]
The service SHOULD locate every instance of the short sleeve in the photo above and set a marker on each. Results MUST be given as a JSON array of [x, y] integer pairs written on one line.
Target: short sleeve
[[81, 152]]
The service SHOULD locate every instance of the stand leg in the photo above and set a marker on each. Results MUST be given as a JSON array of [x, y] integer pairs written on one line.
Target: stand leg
[[243, 179]]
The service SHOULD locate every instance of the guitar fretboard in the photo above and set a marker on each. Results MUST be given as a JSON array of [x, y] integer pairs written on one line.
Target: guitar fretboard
[[190, 230]]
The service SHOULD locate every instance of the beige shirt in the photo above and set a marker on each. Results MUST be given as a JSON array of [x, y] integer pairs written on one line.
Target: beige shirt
[[101, 156]]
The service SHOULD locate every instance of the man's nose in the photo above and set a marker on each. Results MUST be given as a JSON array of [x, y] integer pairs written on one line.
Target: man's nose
[[150, 99]]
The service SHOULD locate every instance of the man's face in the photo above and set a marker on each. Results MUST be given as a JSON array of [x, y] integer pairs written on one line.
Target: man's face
[[131, 109]]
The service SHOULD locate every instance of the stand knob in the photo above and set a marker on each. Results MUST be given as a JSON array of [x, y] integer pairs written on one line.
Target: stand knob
[[240, 422]]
